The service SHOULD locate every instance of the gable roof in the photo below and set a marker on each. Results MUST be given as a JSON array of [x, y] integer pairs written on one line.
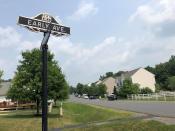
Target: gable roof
[[130, 73], [98, 82], [4, 88]]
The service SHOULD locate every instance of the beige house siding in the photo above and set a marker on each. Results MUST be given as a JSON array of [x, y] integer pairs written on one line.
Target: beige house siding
[[144, 78], [110, 83], [98, 82]]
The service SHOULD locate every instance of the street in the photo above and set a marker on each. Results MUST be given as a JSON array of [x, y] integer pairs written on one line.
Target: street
[[157, 108]]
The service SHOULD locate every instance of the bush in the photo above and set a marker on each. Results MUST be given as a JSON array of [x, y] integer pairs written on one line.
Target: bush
[[128, 88], [146, 91]]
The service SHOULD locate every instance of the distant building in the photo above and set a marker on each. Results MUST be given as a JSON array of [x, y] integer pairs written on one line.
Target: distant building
[[140, 76], [5, 86], [110, 83]]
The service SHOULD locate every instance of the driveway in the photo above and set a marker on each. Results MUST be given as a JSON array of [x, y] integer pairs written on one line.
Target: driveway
[[156, 108]]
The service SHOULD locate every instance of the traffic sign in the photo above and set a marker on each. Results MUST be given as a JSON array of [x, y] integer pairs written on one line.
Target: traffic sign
[[47, 24], [43, 22]]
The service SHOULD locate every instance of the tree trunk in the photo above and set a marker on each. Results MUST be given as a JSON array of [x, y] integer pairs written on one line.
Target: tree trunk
[[37, 106], [55, 101]]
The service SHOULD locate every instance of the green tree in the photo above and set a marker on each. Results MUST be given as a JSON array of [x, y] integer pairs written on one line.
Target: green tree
[[171, 83], [146, 90], [85, 89], [80, 88], [150, 69], [118, 73], [128, 88], [92, 91], [101, 90], [26, 84], [171, 66], [108, 74], [1, 73], [157, 86], [72, 90], [162, 72], [162, 75]]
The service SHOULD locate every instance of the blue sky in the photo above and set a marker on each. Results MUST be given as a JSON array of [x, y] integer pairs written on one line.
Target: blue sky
[[105, 35]]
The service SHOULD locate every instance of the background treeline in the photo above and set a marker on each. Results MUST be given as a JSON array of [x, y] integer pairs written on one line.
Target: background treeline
[[99, 90], [90, 90], [164, 75], [110, 74]]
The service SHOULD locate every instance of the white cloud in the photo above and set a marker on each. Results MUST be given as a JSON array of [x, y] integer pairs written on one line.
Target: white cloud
[[158, 15], [85, 64], [11, 45], [8, 37], [84, 9], [156, 12]]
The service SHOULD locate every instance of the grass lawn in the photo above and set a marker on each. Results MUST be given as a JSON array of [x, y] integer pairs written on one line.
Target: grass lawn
[[129, 126], [24, 120]]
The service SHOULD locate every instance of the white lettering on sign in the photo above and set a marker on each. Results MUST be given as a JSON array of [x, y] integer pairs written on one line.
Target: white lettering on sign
[[57, 28], [34, 23], [43, 26], [62, 29], [54, 28], [39, 24], [29, 22], [47, 25]]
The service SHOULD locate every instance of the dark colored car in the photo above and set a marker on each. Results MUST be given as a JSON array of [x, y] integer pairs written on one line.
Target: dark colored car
[[76, 95], [93, 97], [112, 97]]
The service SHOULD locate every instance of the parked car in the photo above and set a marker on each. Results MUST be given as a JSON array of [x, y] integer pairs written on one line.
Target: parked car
[[76, 95], [85, 96], [112, 97], [93, 97]]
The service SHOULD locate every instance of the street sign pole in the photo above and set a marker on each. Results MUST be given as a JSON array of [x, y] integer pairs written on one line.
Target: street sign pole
[[48, 25], [44, 48]]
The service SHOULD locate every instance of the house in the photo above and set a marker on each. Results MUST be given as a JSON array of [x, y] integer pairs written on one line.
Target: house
[[3, 90], [110, 83], [140, 76]]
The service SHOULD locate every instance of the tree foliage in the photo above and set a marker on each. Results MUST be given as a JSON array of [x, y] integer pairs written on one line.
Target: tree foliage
[[1, 74], [128, 88], [162, 72], [72, 90], [110, 74], [93, 90], [101, 90], [171, 83], [26, 84], [146, 90], [79, 88]]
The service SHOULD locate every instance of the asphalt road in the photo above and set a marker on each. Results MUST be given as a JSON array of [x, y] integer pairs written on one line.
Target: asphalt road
[[157, 108]]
